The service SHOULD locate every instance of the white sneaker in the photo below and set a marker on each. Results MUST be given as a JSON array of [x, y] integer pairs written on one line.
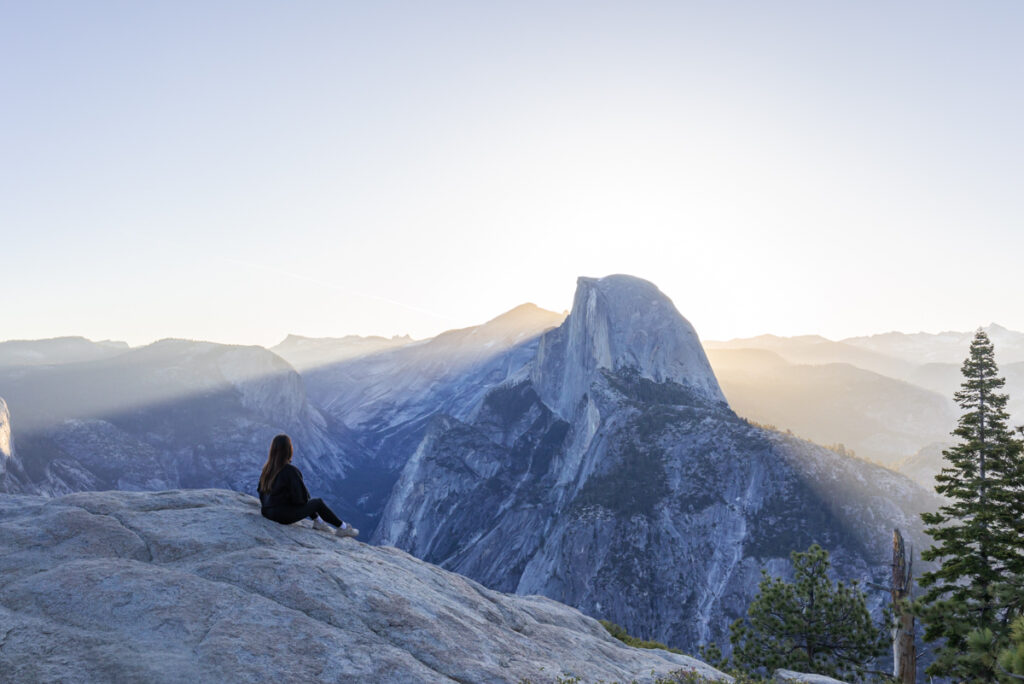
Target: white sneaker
[[347, 531], [321, 526]]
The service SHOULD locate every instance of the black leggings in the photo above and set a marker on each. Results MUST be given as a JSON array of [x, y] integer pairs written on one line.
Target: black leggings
[[286, 515]]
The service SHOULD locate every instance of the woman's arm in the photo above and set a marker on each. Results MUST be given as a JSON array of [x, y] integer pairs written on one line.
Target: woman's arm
[[297, 491]]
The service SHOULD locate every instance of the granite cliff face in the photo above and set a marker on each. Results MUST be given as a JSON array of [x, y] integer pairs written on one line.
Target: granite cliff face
[[619, 322], [195, 586], [611, 475]]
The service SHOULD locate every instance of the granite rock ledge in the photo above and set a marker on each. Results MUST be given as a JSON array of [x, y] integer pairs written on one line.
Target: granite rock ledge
[[194, 585]]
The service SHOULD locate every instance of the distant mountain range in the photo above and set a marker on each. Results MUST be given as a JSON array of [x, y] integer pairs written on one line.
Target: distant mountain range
[[309, 353], [55, 351], [946, 347], [602, 458], [888, 398], [172, 414]]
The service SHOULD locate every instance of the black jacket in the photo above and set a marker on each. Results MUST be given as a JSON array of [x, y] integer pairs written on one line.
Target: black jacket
[[287, 489]]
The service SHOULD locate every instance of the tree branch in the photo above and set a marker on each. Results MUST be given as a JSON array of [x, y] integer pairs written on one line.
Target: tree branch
[[1009, 674]]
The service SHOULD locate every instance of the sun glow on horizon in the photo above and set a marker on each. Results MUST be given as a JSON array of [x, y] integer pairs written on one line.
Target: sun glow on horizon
[[238, 176]]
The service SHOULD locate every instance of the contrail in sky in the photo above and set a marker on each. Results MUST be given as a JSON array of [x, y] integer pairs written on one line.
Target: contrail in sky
[[297, 276]]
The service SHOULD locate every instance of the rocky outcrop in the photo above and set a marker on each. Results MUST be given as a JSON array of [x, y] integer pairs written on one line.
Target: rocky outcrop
[[195, 586], [619, 322]]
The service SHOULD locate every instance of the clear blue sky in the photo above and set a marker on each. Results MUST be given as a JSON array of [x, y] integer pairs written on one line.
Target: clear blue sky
[[236, 171]]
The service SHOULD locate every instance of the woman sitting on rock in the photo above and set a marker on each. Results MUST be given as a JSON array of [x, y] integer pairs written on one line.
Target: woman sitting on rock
[[284, 496]]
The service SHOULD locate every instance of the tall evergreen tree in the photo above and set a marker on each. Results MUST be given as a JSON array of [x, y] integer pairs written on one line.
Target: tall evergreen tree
[[979, 535]]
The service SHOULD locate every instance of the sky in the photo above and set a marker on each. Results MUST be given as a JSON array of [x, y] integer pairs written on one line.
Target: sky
[[239, 171]]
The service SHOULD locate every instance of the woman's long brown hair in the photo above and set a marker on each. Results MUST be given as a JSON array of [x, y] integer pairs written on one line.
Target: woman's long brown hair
[[280, 454]]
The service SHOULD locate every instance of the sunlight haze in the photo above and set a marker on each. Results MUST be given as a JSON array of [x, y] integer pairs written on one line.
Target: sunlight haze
[[238, 171]]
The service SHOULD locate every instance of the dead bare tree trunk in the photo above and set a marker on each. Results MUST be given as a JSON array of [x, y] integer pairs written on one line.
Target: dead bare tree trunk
[[904, 650]]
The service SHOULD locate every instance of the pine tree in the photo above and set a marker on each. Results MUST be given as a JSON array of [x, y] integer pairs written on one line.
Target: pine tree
[[978, 534], [809, 625]]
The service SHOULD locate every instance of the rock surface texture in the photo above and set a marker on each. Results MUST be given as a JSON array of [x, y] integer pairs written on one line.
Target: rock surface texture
[[195, 586]]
